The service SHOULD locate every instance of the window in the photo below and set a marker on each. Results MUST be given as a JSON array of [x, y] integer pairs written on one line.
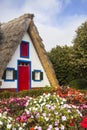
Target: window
[[10, 74], [24, 49], [37, 75]]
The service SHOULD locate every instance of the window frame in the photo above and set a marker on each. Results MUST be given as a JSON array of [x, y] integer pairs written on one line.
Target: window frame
[[24, 42], [40, 78], [14, 75], [9, 69]]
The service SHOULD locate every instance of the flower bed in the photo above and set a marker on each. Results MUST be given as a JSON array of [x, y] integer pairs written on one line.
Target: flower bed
[[75, 97], [46, 112]]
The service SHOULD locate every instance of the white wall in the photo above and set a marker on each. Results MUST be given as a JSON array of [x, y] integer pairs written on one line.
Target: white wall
[[35, 65]]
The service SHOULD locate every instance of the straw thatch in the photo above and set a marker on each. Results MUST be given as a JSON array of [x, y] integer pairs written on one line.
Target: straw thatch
[[13, 32]]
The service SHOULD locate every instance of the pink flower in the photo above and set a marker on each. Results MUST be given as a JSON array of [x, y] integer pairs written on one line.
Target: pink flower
[[55, 123], [39, 128], [18, 118]]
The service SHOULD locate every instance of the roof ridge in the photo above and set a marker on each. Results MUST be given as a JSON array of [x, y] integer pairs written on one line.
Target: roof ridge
[[22, 17], [27, 15]]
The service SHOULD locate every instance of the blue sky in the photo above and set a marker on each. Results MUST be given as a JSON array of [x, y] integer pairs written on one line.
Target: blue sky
[[56, 20], [76, 7]]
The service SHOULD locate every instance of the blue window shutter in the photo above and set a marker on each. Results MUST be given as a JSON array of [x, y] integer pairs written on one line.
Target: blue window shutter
[[15, 74], [41, 75], [33, 75], [4, 75]]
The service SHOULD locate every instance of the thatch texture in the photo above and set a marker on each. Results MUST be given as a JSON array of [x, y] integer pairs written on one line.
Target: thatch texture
[[13, 33]]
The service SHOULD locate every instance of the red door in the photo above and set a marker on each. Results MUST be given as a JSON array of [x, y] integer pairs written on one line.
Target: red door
[[23, 76]]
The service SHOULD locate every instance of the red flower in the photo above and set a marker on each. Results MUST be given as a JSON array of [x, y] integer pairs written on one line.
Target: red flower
[[72, 122], [84, 122], [31, 128], [21, 121]]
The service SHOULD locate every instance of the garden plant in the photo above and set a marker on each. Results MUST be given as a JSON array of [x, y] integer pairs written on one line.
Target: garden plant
[[49, 111]]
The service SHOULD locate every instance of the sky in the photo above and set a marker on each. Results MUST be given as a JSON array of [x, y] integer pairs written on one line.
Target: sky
[[56, 20]]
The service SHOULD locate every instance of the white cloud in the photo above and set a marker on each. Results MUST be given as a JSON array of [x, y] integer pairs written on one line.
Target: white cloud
[[61, 35], [46, 13], [8, 11], [45, 10]]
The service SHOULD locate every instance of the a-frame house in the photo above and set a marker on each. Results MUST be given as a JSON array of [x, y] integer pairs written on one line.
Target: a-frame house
[[24, 63]]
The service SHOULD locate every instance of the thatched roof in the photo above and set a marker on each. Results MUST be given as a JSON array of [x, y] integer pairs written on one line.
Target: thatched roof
[[13, 32]]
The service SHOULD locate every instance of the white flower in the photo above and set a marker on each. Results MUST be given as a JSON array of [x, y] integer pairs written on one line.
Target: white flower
[[36, 127], [63, 118], [43, 104], [4, 117], [62, 127], [46, 118], [30, 108], [66, 106], [49, 94], [57, 100], [34, 109], [20, 128], [30, 99], [52, 107], [27, 103], [39, 128], [49, 114], [43, 94], [27, 111], [37, 115], [32, 116], [49, 129], [5, 113], [0, 115], [73, 106], [1, 123], [44, 114], [9, 126], [50, 126], [44, 100], [40, 100], [69, 111], [79, 113], [56, 128], [35, 102], [62, 102], [13, 128], [48, 106], [63, 99], [72, 117], [56, 113], [24, 124], [10, 118]]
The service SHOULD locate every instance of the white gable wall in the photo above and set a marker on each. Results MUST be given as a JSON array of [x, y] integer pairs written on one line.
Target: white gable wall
[[35, 65]]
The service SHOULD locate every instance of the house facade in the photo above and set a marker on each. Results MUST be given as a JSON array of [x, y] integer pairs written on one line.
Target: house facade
[[24, 57]]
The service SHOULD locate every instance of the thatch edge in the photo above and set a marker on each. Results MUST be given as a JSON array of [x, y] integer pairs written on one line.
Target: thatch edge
[[47, 65]]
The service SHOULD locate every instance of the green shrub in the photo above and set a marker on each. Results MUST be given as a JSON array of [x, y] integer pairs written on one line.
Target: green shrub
[[35, 92], [79, 84], [7, 94], [32, 92]]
